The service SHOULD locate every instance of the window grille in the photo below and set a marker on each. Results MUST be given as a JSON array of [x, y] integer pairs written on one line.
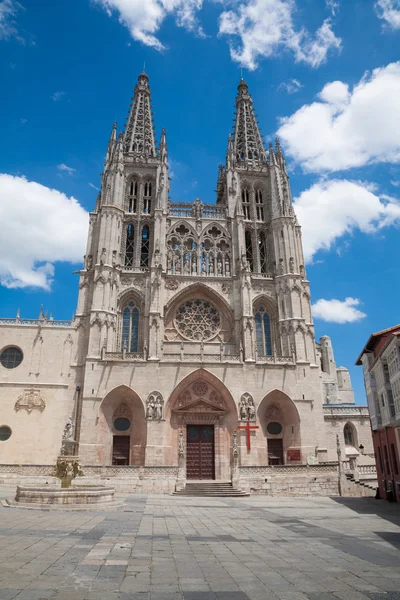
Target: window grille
[[145, 248], [262, 245], [132, 197], [249, 249], [130, 245]]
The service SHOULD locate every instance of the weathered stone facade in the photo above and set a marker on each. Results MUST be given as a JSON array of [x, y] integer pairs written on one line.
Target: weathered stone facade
[[188, 315]]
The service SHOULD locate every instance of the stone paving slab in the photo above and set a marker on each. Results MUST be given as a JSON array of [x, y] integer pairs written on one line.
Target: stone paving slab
[[177, 548]]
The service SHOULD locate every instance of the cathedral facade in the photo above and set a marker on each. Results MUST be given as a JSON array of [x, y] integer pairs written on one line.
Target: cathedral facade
[[192, 352]]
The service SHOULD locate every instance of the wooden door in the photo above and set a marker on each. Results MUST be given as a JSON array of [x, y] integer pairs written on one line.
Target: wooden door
[[275, 452], [121, 447], [200, 452]]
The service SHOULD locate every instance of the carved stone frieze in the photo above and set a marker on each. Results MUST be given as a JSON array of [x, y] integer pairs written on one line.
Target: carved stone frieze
[[171, 284], [30, 400], [154, 407]]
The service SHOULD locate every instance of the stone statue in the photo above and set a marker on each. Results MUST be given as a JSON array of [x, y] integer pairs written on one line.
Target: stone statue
[[281, 266], [291, 264], [68, 442], [103, 256], [150, 409], [194, 268], [227, 267], [181, 444], [114, 258], [302, 271], [243, 409], [251, 412], [219, 267], [68, 430], [158, 408], [89, 262]]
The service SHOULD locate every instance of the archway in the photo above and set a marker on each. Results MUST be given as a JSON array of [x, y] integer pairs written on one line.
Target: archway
[[122, 430], [203, 416], [280, 423]]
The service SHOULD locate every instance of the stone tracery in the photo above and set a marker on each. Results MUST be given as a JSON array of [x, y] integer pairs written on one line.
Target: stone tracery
[[197, 319]]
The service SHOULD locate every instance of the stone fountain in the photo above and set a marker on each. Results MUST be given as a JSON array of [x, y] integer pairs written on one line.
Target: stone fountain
[[67, 468]]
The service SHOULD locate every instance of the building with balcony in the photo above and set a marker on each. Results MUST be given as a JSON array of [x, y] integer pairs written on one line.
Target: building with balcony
[[380, 359], [192, 352]]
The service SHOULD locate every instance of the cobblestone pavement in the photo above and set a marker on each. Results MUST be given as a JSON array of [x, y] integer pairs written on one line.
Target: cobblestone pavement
[[177, 548]]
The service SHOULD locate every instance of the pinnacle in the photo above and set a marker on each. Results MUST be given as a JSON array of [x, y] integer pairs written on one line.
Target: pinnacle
[[139, 133]]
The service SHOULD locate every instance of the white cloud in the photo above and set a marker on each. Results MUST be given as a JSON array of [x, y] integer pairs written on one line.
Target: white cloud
[[333, 6], [40, 227], [291, 86], [144, 18], [330, 209], [338, 311], [261, 28], [389, 11], [57, 96], [8, 12], [66, 169], [346, 129]]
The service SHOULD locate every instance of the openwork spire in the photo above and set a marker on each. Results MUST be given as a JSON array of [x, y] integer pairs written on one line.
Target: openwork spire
[[139, 134], [247, 142]]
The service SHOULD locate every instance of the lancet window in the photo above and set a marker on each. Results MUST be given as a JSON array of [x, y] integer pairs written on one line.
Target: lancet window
[[145, 247], [263, 252], [263, 332], [147, 197], [259, 205], [249, 249], [348, 432], [130, 327], [246, 203], [132, 199], [129, 245]]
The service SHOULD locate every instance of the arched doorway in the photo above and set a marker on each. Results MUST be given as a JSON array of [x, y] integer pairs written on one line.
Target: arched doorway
[[122, 430], [203, 416], [280, 422]]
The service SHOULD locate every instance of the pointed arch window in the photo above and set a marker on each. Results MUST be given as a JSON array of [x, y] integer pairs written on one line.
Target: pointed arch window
[[259, 205], [246, 203], [130, 245], [132, 196], [147, 198], [130, 327], [249, 249], [263, 250], [348, 432], [145, 247], [263, 332]]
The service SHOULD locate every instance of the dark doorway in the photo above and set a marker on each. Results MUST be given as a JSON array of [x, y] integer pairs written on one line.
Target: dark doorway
[[121, 447], [275, 452], [200, 452]]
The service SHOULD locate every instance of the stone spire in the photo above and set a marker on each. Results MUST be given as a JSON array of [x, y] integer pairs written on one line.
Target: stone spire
[[111, 146], [163, 148], [247, 142], [139, 133]]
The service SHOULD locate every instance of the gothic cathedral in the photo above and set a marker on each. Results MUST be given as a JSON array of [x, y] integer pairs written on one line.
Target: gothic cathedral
[[192, 352]]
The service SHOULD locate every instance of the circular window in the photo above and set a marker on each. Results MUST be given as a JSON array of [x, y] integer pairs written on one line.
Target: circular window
[[274, 428], [11, 357], [197, 319], [5, 433], [122, 424]]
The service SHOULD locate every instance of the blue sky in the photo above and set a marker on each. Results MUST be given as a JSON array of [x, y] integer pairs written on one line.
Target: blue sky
[[322, 74]]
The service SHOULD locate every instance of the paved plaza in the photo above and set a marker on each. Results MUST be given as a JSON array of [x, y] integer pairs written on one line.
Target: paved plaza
[[177, 548]]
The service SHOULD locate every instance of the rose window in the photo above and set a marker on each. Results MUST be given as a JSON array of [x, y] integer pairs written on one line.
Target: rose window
[[197, 320]]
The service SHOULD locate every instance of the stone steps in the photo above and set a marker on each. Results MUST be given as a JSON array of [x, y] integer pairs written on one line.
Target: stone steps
[[210, 489]]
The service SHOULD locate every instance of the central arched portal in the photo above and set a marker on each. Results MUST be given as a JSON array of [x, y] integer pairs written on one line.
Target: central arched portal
[[203, 416]]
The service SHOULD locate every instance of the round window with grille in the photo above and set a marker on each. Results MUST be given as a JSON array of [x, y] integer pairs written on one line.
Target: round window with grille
[[198, 320], [5, 433], [274, 428], [11, 357]]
